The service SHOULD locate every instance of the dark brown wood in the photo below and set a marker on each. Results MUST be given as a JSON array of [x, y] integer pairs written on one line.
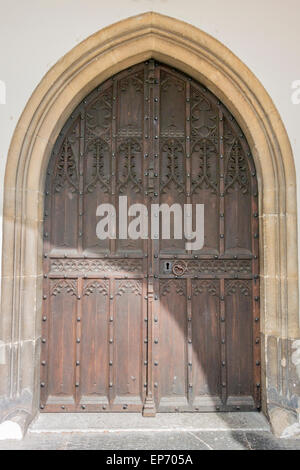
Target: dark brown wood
[[145, 325]]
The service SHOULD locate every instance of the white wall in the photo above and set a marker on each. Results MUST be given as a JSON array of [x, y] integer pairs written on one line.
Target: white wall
[[34, 34]]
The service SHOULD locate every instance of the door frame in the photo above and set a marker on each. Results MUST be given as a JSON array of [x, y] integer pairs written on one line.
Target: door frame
[[105, 53]]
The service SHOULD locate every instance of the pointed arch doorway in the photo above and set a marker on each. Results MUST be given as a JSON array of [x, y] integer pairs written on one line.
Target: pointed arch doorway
[[132, 325], [93, 61]]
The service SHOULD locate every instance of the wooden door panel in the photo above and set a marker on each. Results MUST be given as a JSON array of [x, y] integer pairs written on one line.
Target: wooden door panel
[[172, 184], [205, 167], [60, 379], [238, 300], [206, 341], [170, 347], [131, 324], [94, 361], [128, 340], [130, 149]]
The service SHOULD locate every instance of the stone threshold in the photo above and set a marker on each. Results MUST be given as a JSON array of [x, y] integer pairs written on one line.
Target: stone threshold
[[135, 422]]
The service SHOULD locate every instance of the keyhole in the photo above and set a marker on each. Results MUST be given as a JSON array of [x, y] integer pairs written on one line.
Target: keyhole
[[168, 267]]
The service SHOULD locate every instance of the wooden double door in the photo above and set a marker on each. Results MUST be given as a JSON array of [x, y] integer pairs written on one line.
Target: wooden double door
[[144, 324]]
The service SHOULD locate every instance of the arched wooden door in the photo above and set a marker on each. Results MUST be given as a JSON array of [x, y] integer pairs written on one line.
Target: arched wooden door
[[144, 324]]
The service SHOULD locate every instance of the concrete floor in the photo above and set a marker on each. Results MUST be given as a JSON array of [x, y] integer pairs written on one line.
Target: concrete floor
[[207, 431]]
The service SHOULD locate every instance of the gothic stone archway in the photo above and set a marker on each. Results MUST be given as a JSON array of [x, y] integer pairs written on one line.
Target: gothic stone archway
[[80, 71]]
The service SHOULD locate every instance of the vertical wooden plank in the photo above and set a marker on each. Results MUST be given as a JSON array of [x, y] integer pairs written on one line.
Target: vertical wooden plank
[[94, 357], [114, 196], [238, 304], [222, 342], [190, 345], [206, 345], [128, 345], [61, 370], [78, 354], [151, 155], [172, 346]]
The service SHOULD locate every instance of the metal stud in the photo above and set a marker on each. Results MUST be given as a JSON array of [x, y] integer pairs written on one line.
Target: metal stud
[[42, 384]]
